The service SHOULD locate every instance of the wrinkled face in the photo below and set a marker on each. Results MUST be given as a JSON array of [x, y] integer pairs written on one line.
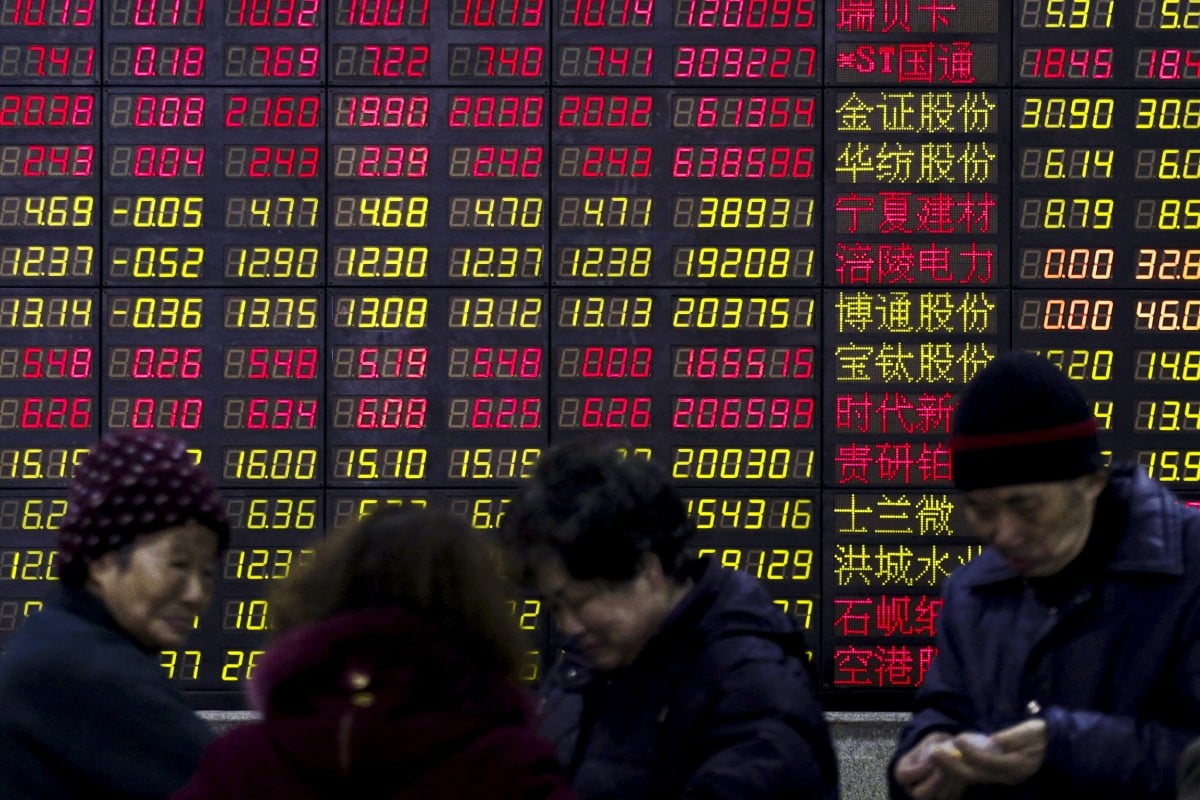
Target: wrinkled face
[[1038, 528], [157, 586], [610, 622]]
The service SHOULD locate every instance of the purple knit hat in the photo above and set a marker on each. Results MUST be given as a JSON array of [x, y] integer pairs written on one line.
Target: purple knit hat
[[133, 483]]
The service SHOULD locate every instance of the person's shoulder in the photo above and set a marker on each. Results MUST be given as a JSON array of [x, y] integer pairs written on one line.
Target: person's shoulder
[[730, 592], [57, 647], [50, 639], [750, 630], [60, 668], [1145, 501], [1188, 777], [984, 568], [1189, 531], [1162, 531]]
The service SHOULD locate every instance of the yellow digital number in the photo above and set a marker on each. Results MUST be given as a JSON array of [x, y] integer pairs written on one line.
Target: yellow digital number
[[156, 211], [240, 665]]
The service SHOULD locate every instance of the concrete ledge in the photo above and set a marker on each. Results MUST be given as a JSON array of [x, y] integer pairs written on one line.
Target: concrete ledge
[[222, 721], [864, 741]]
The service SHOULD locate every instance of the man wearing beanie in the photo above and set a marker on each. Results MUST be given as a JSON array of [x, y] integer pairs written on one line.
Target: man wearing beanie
[[85, 709], [1068, 658]]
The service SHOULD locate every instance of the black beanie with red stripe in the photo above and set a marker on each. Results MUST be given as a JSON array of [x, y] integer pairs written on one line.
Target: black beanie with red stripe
[[1021, 420]]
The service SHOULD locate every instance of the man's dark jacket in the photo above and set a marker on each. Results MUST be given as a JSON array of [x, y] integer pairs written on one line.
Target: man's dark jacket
[[719, 705], [1114, 668]]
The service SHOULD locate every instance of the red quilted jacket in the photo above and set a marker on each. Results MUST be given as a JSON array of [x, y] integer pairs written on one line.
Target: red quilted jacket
[[379, 704]]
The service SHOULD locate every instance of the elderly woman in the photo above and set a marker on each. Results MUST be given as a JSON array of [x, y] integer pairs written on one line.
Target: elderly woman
[[85, 708]]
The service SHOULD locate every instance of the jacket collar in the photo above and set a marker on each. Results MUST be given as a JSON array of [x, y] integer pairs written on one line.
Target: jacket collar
[[1151, 541]]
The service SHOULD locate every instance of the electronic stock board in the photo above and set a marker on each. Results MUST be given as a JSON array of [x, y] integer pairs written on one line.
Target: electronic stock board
[[387, 251]]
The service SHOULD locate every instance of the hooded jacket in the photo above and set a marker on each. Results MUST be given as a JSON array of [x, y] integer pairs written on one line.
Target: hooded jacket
[[379, 704], [1114, 668], [718, 705]]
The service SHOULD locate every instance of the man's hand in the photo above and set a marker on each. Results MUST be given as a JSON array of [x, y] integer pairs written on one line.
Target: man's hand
[[919, 770], [942, 766], [1007, 757]]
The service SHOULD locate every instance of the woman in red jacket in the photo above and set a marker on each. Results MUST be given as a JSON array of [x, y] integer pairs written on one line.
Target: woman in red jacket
[[390, 674]]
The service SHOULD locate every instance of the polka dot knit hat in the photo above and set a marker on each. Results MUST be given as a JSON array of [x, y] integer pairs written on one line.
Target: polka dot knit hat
[[133, 483]]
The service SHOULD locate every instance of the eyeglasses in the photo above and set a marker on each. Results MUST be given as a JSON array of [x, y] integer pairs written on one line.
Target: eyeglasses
[[558, 602]]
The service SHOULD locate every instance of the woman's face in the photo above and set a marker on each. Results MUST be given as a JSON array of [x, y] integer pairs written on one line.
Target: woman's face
[[157, 586]]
